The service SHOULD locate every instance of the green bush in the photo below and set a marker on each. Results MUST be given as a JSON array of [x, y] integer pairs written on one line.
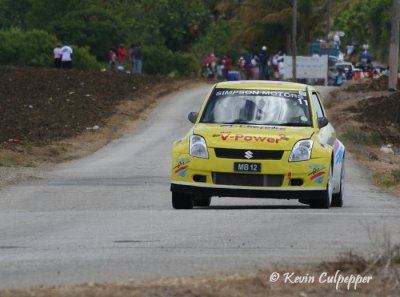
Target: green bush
[[35, 48], [162, 61], [186, 64], [82, 59], [32, 48]]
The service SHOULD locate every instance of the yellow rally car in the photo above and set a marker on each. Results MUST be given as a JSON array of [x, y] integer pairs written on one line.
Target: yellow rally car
[[260, 139]]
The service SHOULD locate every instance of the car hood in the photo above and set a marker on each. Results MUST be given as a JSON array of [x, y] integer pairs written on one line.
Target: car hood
[[252, 136]]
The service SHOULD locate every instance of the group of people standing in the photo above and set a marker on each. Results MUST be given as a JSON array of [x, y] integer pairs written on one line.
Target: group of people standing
[[214, 66], [63, 56], [119, 56], [362, 60], [254, 65], [251, 65]]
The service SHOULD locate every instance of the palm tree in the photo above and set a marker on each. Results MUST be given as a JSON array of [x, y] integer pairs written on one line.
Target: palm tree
[[269, 22]]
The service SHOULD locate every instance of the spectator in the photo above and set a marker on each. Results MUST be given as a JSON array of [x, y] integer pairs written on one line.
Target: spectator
[[121, 55], [365, 57], [353, 58], [349, 49], [227, 61], [138, 62], [263, 61], [112, 59], [131, 54], [277, 64], [340, 77], [386, 71], [255, 68], [220, 70], [348, 74], [248, 57], [211, 62], [57, 56], [242, 66], [281, 67], [66, 56]]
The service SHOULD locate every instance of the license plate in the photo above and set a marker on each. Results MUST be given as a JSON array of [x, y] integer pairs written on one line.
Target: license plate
[[247, 167]]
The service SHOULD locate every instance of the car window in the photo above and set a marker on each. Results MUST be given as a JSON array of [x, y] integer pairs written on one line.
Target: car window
[[261, 107], [317, 104]]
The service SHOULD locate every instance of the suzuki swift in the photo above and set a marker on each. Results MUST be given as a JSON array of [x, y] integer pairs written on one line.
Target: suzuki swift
[[259, 139]]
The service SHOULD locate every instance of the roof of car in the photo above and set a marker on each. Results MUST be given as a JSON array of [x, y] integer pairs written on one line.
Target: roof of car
[[262, 84]]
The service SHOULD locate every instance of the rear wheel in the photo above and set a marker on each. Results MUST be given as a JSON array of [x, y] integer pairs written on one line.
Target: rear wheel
[[182, 201], [202, 201], [326, 198]]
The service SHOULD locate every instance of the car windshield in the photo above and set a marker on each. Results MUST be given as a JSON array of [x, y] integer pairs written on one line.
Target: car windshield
[[258, 107]]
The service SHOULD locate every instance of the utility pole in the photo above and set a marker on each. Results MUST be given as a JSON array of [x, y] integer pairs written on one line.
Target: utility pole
[[394, 47], [328, 20], [294, 42]]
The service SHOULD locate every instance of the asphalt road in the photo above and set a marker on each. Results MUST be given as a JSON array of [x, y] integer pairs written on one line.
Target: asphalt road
[[109, 217]]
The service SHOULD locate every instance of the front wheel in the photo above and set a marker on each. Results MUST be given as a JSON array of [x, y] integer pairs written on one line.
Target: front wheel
[[337, 199], [326, 198], [182, 201], [202, 201]]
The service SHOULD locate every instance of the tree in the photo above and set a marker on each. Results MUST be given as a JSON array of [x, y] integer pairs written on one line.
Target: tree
[[13, 13], [259, 22], [177, 22], [367, 22], [93, 27]]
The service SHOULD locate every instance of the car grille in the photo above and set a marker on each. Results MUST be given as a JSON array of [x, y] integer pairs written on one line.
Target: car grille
[[241, 154], [240, 179]]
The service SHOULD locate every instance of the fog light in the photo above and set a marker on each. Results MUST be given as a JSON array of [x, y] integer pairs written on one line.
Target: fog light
[[296, 182], [200, 178]]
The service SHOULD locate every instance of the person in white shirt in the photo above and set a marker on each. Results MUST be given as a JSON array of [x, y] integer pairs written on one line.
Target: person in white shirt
[[57, 56], [66, 56]]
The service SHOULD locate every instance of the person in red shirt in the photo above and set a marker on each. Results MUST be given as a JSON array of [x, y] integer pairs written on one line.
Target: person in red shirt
[[121, 55], [227, 60]]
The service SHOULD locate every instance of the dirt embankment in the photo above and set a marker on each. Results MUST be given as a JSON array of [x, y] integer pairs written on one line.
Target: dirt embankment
[[366, 117], [41, 106]]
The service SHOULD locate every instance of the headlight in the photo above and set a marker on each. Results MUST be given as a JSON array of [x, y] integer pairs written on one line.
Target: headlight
[[301, 151], [198, 147]]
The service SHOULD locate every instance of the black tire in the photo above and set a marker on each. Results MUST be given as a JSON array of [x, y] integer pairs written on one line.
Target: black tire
[[337, 199], [182, 201], [304, 201], [325, 200], [202, 201]]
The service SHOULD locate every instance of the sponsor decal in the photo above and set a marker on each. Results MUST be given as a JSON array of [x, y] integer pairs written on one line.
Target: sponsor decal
[[285, 94], [263, 127], [259, 127], [182, 166], [225, 136], [317, 174], [339, 152]]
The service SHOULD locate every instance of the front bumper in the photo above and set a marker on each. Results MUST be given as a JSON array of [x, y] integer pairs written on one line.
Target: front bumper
[[197, 190], [277, 178]]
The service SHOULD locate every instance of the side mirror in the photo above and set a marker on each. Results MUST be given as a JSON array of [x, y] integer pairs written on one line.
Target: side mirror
[[192, 116], [322, 122]]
